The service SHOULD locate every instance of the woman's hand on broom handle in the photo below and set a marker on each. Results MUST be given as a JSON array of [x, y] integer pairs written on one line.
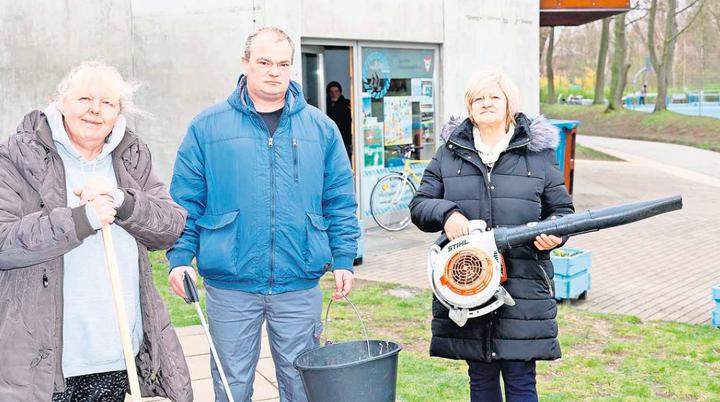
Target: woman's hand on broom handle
[[104, 208], [176, 279]]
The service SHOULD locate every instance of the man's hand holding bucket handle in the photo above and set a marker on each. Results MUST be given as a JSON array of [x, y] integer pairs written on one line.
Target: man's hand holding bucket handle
[[176, 279], [343, 283]]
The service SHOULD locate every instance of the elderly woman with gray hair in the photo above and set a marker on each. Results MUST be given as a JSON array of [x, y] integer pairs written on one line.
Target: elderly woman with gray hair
[[68, 171], [499, 166]]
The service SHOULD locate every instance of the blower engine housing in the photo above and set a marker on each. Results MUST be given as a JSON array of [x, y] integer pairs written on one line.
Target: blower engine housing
[[465, 274]]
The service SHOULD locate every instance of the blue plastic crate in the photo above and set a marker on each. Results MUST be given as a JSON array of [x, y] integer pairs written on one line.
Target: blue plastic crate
[[716, 317], [572, 287], [716, 293], [573, 265]]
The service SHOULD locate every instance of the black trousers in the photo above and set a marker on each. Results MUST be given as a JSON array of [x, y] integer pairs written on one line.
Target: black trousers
[[517, 376], [99, 387]]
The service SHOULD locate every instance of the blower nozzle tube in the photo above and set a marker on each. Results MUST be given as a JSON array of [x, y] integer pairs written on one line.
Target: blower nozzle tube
[[584, 222]]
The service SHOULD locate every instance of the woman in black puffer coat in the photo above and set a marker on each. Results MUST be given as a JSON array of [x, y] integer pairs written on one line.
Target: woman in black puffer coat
[[500, 167]]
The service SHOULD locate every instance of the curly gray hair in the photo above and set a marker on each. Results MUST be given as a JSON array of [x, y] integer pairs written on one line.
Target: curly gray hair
[[109, 74]]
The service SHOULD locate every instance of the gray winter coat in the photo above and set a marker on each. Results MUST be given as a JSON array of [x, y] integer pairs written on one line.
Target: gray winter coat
[[524, 185], [37, 229]]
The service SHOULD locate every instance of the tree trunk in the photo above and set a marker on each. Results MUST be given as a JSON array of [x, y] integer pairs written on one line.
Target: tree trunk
[[663, 64], [662, 85], [622, 84], [544, 33], [599, 98], [552, 98], [668, 48], [618, 69]]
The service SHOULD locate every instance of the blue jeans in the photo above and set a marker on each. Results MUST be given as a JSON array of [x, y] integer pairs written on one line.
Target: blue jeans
[[235, 319], [518, 378]]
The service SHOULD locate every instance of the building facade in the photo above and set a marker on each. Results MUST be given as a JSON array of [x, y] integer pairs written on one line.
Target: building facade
[[403, 64]]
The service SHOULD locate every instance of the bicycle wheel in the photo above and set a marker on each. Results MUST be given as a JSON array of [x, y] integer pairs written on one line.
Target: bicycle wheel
[[390, 201]]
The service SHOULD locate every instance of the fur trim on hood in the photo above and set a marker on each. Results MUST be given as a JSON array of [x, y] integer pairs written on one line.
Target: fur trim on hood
[[543, 134]]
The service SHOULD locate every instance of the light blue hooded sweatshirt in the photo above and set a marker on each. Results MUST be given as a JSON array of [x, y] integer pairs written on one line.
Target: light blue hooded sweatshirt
[[91, 338]]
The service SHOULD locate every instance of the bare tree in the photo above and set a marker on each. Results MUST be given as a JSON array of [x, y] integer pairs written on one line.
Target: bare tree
[[599, 98], [662, 63], [619, 66], [715, 12], [552, 98], [544, 33]]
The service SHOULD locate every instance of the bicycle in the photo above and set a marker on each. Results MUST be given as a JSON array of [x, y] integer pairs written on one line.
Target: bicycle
[[391, 195]]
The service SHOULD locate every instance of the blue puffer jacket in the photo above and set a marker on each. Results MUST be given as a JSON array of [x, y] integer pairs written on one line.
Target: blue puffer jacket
[[265, 214]]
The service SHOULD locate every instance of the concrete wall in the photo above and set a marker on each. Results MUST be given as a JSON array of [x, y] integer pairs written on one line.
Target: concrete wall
[[187, 52], [479, 35], [40, 42], [383, 20]]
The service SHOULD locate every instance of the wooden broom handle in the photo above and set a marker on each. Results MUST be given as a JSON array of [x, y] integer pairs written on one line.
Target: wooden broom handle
[[121, 314]]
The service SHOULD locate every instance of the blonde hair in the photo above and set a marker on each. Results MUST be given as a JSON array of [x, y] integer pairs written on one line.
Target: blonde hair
[[125, 89], [482, 79]]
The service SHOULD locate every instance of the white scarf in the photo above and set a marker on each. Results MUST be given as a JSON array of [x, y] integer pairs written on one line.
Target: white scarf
[[490, 155]]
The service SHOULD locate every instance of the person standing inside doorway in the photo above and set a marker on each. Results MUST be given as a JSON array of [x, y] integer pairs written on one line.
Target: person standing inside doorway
[[271, 208], [338, 109]]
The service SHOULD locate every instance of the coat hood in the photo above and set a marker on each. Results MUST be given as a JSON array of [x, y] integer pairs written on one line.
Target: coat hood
[[62, 139], [240, 99], [540, 132]]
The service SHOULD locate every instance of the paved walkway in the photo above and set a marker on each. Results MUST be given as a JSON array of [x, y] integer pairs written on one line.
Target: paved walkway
[[659, 153], [197, 355], [657, 269]]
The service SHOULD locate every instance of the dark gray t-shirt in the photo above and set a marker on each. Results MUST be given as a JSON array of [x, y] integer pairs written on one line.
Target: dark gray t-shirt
[[271, 119]]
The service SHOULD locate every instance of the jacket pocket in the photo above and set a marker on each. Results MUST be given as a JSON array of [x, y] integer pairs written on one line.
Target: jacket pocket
[[217, 254], [545, 266], [317, 245], [20, 355]]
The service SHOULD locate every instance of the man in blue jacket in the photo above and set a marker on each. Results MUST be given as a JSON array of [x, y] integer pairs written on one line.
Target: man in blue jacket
[[269, 192]]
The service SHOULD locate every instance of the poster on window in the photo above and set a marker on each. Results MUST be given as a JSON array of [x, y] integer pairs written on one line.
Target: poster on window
[[397, 111], [426, 96], [366, 104], [373, 140]]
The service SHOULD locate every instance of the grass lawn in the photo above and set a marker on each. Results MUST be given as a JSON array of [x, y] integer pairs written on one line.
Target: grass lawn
[[700, 132], [582, 152], [606, 357]]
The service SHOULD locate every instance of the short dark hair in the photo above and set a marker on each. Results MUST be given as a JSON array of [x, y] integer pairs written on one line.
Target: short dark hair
[[279, 33], [333, 84]]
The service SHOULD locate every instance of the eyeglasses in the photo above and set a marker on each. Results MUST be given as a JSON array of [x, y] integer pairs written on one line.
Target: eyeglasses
[[265, 65]]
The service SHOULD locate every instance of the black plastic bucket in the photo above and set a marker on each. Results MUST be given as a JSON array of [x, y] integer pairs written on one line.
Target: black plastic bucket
[[364, 370]]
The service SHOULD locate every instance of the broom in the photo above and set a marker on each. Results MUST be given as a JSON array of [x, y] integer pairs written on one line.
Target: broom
[[121, 314]]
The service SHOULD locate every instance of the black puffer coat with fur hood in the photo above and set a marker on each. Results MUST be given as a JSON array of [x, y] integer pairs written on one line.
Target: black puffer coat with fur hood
[[524, 185]]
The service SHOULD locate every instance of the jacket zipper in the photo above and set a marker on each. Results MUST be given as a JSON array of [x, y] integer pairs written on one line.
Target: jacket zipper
[[272, 214], [487, 186], [295, 157], [488, 179], [60, 304], [272, 196], [547, 281]]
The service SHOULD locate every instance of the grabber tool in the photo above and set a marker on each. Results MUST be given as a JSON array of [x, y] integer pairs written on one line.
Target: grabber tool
[[191, 297]]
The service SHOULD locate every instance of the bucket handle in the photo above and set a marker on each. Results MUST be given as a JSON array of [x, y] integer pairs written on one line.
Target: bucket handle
[[357, 314]]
